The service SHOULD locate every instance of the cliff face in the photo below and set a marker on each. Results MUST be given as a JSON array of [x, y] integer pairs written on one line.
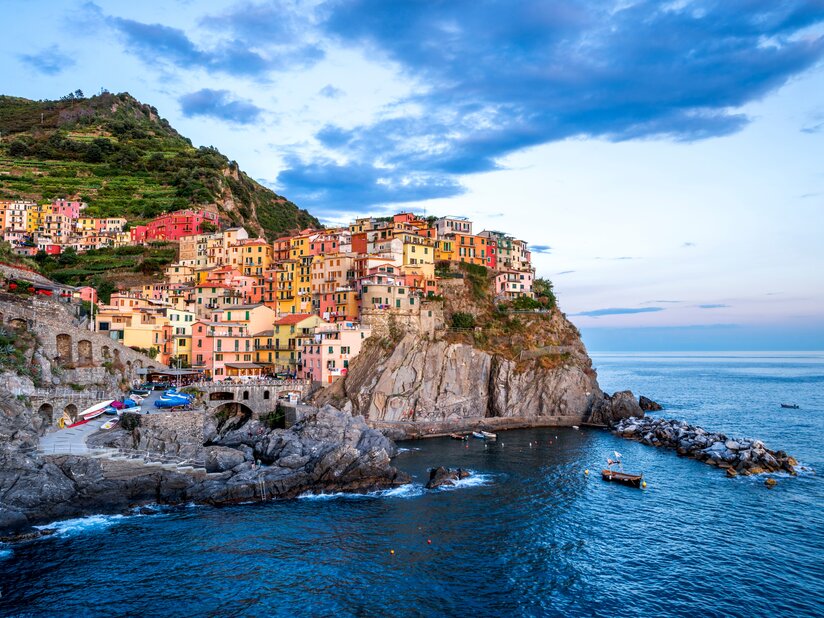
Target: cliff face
[[516, 369]]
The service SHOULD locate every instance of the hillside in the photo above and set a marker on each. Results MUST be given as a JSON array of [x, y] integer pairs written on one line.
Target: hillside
[[121, 158]]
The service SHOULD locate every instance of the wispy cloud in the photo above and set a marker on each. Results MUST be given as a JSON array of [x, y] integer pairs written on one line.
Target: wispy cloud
[[219, 104], [596, 313], [650, 302], [541, 249], [564, 272], [713, 306], [687, 245], [48, 61], [623, 257]]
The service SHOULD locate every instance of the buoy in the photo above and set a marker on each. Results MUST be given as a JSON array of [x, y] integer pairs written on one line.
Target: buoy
[[429, 541], [586, 472], [392, 551], [644, 484]]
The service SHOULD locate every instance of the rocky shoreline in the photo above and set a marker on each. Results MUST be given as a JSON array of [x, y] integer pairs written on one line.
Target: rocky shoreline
[[329, 451], [738, 456]]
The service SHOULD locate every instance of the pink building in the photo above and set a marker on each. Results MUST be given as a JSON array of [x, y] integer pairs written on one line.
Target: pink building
[[224, 350], [326, 354], [66, 208]]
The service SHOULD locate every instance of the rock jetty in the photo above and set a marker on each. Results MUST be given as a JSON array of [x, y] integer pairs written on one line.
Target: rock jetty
[[738, 456]]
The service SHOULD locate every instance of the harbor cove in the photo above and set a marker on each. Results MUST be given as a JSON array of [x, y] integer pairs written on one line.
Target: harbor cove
[[527, 533]]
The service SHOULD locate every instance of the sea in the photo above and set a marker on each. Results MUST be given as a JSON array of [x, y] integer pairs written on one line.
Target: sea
[[529, 534]]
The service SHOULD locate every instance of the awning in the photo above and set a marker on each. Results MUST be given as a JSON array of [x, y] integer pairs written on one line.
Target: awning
[[245, 366]]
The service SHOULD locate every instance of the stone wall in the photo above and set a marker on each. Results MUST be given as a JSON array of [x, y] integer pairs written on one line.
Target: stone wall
[[77, 355], [426, 319], [260, 397]]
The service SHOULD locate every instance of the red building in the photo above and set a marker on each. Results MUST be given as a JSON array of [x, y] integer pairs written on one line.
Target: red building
[[174, 225]]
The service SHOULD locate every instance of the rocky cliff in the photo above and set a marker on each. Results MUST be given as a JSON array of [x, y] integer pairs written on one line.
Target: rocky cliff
[[512, 369]]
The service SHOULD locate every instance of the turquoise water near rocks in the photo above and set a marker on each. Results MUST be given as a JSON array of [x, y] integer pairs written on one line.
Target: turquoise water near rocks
[[530, 534]]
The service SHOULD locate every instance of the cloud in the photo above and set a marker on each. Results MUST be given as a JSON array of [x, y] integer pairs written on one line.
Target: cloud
[[688, 245], [596, 313], [816, 128], [219, 104], [49, 61], [501, 77], [330, 92], [649, 302], [623, 257], [564, 272], [541, 249], [713, 306]]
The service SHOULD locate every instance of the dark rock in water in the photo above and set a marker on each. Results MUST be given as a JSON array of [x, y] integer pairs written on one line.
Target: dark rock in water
[[13, 521], [438, 477], [648, 405], [29, 534], [611, 409]]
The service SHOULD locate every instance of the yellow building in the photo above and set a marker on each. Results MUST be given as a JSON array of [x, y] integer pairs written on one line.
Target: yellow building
[[36, 216], [287, 331]]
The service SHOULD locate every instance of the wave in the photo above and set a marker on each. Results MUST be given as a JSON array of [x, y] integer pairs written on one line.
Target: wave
[[5, 552], [476, 480], [83, 525], [404, 491]]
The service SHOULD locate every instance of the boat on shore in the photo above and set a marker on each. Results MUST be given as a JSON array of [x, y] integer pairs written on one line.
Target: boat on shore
[[633, 480], [95, 410], [790, 406]]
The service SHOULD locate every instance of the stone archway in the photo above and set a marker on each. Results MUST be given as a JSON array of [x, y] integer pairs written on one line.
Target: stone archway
[[46, 414], [70, 413], [64, 348], [231, 415], [85, 357]]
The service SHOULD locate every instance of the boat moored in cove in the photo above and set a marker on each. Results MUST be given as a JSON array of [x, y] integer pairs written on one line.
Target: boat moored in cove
[[791, 406]]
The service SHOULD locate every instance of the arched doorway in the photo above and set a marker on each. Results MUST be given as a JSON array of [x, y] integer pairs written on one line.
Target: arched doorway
[[18, 324], [84, 353], [70, 414], [230, 416], [64, 348], [221, 396], [46, 413]]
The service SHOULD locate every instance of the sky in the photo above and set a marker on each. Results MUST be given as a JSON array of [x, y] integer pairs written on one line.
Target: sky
[[665, 160]]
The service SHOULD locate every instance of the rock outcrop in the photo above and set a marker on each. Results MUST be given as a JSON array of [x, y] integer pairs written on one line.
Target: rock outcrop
[[610, 409], [744, 456], [648, 405], [329, 451], [440, 476]]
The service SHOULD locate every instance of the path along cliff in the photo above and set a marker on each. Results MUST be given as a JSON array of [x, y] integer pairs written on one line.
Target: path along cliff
[[511, 368]]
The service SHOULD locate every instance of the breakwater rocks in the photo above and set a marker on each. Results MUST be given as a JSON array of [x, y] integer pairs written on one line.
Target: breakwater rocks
[[744, 456], [439, 477]]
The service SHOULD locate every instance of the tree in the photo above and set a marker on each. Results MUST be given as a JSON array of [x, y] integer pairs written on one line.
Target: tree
[[463, 320], [543, 291]]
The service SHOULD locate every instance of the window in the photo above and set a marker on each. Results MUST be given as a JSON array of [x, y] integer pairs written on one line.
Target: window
[[219, 357], [330, 349]]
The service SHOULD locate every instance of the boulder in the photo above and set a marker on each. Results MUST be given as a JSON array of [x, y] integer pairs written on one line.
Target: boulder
[[648, 405], [440, 476], [222, 458]]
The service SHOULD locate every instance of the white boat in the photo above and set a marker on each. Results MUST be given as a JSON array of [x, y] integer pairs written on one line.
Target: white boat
[[575, 426], [95, 410], [109, 424], [484, 435]]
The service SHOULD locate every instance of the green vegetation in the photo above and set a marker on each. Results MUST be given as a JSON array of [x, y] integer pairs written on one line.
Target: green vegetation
[[101, 267], [275, 419], [463, 320], [13, 347], [544, 292], [525, 303], [121, 158], [478, 279]]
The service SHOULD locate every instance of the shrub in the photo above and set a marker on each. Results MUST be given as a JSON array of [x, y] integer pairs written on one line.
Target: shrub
[[463, 320]]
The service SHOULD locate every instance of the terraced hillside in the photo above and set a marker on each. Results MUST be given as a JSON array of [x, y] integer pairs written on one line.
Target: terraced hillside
[[119, 156]]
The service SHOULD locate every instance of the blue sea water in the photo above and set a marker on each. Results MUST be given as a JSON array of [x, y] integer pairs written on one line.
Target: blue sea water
[[530, 534]]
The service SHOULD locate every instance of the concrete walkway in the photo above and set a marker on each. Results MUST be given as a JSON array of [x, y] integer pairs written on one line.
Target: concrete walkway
[[71, 441]]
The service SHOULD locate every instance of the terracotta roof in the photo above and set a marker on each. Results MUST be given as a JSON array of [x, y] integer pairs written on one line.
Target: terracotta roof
[[293, 318]]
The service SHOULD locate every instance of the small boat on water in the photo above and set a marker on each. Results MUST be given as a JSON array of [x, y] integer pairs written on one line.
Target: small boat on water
[[575, 427], [619, 476], [459, 436], [791, 406], [633, 480], [484, 435]]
